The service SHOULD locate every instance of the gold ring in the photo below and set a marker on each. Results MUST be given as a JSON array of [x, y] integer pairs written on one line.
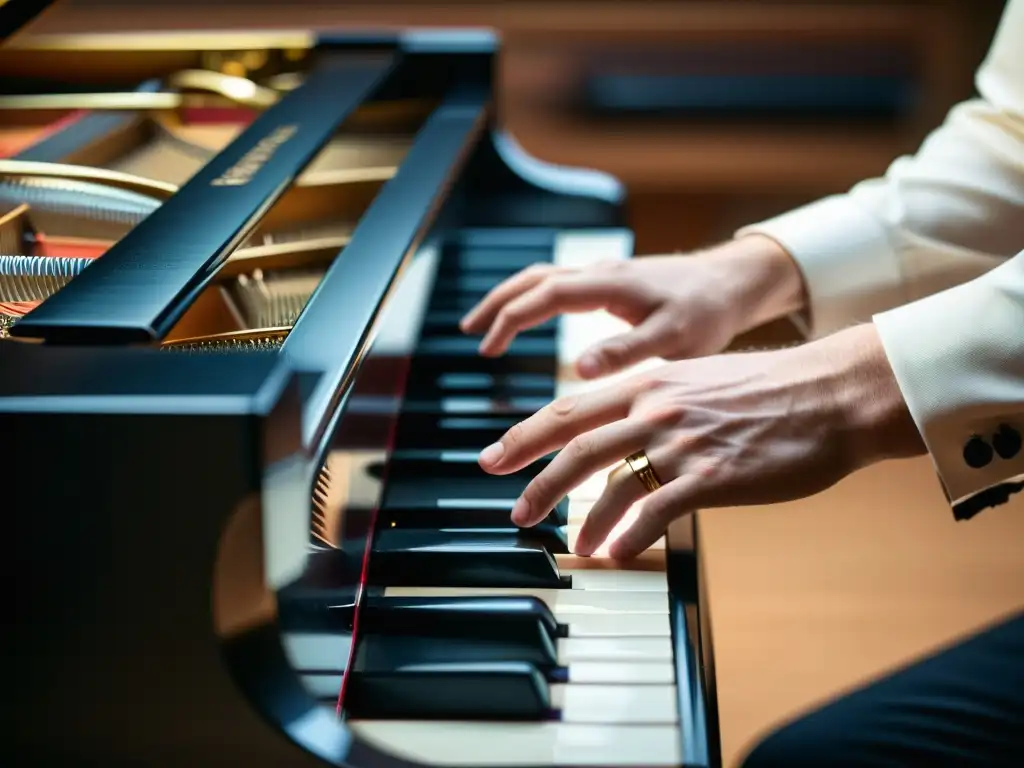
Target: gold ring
[[643, 470]]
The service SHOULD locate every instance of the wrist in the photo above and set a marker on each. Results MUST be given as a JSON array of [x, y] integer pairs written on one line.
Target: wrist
[[765, 281], [868, 405]]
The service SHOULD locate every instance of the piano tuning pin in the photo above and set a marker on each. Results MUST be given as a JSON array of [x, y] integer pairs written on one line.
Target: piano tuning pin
[[262, 340]]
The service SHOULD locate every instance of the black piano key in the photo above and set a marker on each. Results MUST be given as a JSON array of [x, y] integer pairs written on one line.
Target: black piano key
[[454, 465], [434, 363], [412, 489], [447, 321], [520, 619], [498, 386], [513, 407], [492, 274], [539, 239], [453, 302], [547, 534], [467, 281], [458, 691], [388, 651], [508, 260], [445, 558], [466, 346], [457, 513], [467, 518], [456, 432]]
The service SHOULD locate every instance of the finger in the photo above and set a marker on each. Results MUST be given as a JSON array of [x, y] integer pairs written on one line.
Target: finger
[[622, 491], [582, 456], [482, 315], [554, 295], [693, 490], [601, 520], [554, 425], [649, 339]]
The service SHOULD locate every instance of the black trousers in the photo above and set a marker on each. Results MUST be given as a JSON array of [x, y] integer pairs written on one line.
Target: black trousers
[[963, 706]]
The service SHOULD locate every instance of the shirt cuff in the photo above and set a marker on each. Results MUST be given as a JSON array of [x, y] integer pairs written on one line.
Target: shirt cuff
[[849, 268], [958, 357]]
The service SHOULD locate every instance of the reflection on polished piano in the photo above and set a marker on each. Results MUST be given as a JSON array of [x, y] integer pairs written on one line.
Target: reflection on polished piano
[[243, 424]]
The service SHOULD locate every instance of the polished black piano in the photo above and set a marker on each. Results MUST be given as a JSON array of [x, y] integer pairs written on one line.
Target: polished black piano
[[243, 508]]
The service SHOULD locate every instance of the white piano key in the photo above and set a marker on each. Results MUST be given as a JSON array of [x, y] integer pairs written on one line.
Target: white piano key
[[619, 580], [581, 248], [577, 332], [625, 673], [590, 490], [616, 625], [321, 686], [481, 744], [316, 650], [616, 704], [575, 649], [561, 601]]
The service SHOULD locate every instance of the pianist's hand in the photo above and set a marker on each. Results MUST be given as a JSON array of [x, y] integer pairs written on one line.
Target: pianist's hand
[[680, 306], [719, 431]]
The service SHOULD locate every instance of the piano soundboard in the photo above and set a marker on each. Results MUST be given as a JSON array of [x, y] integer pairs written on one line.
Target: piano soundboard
[[249, 527]]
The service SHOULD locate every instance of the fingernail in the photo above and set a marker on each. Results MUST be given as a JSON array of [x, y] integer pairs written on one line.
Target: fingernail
[[521, 512], [583, 548], [589, 365], [621, 549], [486, 346], [492, 454]]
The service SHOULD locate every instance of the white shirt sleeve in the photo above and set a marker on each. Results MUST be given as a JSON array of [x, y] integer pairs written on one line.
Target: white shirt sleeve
[[936, 219], [928, 252]]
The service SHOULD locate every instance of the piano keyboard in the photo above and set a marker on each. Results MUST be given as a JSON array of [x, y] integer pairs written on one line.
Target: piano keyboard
[[608, 695]]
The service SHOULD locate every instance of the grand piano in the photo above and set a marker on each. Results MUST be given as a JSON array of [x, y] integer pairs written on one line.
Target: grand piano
[[241, 493]]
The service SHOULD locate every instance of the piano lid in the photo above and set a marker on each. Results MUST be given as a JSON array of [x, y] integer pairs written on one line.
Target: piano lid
[[144, 284]]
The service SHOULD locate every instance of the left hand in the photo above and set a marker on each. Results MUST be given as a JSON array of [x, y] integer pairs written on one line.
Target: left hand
[[727, 430]]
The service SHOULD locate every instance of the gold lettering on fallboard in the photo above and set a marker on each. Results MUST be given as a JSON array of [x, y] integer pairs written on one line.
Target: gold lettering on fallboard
[[242, 172]]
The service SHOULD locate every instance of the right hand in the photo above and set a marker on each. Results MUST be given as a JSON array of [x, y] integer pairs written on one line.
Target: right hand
[[679, 306]]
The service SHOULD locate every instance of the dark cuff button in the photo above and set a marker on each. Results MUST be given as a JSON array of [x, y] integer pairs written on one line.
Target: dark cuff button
[[1007, 441], [977, 453]]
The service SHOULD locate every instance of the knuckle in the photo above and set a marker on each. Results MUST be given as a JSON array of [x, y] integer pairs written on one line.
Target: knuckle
[[509, 317], [514, 437], [552, 288], [662, 414], [580, 448], [563, 406], [685, 443], [538, 269], [649, 385], [613, 266], [678, 323], [536, 492]]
